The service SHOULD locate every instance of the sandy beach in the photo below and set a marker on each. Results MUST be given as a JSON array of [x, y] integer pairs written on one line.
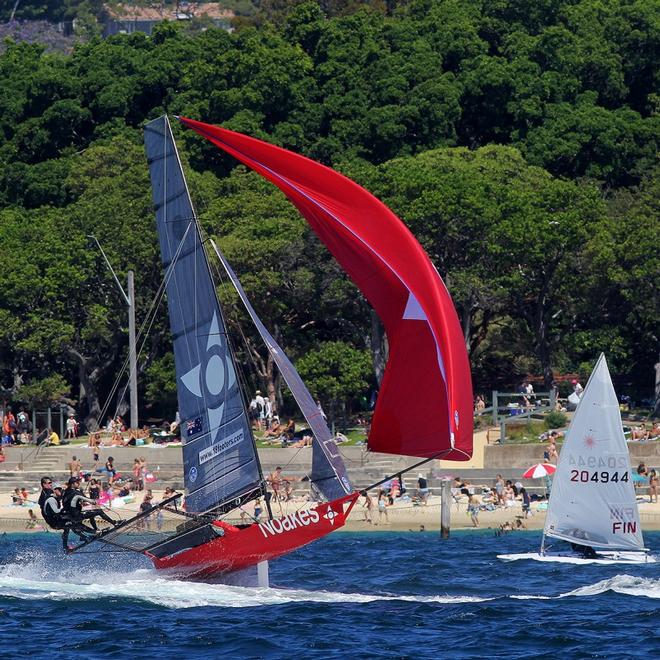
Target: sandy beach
[[402, 516]]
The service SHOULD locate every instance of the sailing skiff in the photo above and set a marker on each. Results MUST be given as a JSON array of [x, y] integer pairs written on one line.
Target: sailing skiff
[[427, 369], [593, 506]]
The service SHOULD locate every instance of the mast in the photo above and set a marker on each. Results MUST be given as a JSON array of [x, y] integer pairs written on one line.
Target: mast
[[221, 465]]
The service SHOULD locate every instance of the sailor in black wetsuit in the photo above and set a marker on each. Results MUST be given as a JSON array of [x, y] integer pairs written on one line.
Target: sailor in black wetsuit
[[52, 513], [72, 505], [586, 551], [46, 490]]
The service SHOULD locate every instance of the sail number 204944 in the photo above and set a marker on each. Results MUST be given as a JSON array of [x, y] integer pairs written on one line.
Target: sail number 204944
[[597, 476]]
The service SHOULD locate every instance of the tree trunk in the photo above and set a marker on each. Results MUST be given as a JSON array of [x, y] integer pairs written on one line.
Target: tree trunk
[[93, 418], [379, 348], [265, 368], [656, 407], [541, 343], [17, 377], [466, 324], [88, 390], [271, 389]]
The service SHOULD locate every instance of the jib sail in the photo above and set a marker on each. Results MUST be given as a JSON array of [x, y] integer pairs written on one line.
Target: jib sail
[[328, 469]]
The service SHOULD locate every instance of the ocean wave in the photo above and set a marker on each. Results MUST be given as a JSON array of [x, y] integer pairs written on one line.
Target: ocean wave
[[620, 584]]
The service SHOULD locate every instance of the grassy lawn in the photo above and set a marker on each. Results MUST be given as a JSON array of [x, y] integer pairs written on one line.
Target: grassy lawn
[[355, 437], [527, 433]]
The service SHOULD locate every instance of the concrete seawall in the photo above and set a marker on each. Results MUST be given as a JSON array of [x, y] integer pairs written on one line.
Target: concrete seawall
[[24, 465]]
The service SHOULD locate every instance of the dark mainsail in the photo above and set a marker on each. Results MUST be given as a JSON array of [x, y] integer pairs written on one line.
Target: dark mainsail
[[219, 456]]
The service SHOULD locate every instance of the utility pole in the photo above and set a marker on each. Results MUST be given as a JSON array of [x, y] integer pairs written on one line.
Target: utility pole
[[132, 354], [129, 299]]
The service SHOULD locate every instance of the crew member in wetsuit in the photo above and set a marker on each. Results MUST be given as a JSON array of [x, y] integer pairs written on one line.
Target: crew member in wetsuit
[[46, 490], [72, 505], [586, 551], [52, 513]]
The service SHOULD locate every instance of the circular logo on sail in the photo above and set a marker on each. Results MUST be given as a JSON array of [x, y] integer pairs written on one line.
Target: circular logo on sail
[[192, 474], [209, 379]]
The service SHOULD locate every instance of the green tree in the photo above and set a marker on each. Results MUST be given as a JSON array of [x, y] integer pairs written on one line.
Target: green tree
[[44, 392], [160, 391], [506, 236], [338, 373]]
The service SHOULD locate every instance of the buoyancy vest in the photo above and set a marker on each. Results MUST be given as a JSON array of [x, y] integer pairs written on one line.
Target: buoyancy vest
[[45, 494]]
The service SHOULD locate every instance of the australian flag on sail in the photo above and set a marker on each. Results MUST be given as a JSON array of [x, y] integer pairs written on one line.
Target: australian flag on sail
[[193, 427]]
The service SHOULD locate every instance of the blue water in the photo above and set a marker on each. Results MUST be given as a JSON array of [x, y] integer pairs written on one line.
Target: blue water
[[376, 595]]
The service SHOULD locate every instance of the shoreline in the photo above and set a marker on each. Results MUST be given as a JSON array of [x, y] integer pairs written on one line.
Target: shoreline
[[401, 517]]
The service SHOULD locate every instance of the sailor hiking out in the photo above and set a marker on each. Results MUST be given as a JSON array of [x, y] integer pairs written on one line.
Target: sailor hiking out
[[54, 515], [73, 501], [72, 508]]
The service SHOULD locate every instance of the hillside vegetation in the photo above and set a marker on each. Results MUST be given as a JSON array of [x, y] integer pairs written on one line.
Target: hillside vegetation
[[516, 139]]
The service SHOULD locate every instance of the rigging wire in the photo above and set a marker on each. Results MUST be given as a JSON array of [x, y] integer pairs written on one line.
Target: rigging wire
[[147, 324], [221, 275]]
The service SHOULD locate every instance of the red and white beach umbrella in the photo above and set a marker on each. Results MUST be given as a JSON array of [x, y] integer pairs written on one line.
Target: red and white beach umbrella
[[539, 470]]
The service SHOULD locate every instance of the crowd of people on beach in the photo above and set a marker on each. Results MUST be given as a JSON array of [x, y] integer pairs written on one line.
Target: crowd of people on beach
[[648, 477], [270, 429], [503, 495], [389, 493], [19, 430], [644, 433]]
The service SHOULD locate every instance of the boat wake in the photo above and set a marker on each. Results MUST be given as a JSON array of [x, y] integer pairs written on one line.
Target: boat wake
[[629, 585], [36, 578]]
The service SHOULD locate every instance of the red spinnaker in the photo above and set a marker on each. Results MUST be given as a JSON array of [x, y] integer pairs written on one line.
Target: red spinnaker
[[424, 405]]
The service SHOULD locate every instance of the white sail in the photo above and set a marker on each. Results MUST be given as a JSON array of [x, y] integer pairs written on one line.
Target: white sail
[[593, 498]]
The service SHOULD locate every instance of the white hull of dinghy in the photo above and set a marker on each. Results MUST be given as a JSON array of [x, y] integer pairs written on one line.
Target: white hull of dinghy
[[605, 558]]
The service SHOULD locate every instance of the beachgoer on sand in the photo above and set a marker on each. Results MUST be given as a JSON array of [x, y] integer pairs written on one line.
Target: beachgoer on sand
[[473, 508]]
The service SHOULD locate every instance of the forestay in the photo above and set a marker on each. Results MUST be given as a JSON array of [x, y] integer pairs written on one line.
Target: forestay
[[328, 469], [593, 498], [424, 406], [219, 456]]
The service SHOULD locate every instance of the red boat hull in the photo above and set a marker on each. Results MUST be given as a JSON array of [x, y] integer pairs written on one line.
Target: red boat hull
[[243, 547]]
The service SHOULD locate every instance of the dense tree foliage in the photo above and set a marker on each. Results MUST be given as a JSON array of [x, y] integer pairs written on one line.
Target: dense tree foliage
[[517, 140]]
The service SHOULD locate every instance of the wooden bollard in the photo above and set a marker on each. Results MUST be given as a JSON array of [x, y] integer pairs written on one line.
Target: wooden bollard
[[445, 509]]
